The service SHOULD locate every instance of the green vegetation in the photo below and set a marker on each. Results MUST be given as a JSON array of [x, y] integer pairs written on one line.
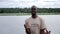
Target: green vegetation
[[27, 10]]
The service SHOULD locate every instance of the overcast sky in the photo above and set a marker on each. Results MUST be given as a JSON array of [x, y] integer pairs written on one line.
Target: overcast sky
[[29, 3]]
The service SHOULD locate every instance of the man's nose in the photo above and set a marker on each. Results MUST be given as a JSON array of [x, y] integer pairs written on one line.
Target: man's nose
[[33, 12]]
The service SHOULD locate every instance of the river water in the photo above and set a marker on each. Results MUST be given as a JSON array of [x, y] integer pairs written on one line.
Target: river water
[[15, 24]]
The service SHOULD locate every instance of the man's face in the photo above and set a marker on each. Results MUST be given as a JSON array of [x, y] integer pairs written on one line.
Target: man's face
[[33, 11]]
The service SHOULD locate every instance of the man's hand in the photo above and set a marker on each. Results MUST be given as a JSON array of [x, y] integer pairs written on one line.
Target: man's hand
[[44, 31], [27, 29]]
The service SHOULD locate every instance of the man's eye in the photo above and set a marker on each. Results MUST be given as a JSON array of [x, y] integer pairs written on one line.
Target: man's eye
[[33, 8]]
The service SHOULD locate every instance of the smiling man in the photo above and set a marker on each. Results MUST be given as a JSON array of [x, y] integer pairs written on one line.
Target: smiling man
[[34, 24]]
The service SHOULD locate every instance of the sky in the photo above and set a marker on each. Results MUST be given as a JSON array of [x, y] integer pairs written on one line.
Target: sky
[[29, 3]]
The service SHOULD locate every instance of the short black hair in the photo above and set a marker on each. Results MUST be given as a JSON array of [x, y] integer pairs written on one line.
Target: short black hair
[[34, 8]]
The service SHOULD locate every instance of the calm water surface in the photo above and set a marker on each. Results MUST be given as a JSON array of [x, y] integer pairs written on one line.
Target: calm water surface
[[14, 24]]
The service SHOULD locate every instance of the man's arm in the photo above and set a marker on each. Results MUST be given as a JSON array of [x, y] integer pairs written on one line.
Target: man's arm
[[43, 27], [27, 29]]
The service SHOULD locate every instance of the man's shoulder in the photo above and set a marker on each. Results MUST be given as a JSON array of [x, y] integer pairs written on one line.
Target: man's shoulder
[[28, 19], [40, 17]]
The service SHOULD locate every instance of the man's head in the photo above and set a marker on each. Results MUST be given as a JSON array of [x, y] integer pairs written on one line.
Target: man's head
[[33, 10]]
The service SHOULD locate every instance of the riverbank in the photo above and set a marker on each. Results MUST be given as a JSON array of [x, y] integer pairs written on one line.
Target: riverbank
[[22, 14]]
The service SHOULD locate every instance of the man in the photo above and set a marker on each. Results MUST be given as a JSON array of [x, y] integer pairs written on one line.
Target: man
[[34, 24]]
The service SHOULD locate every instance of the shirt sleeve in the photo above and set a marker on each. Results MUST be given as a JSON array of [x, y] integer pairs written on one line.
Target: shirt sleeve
[[27, 24], [42, 24]]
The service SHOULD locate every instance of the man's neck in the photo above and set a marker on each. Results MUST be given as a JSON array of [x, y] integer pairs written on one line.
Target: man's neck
[[34, 16]]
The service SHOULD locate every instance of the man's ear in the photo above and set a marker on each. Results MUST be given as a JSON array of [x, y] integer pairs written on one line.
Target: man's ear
[[24, 25]]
